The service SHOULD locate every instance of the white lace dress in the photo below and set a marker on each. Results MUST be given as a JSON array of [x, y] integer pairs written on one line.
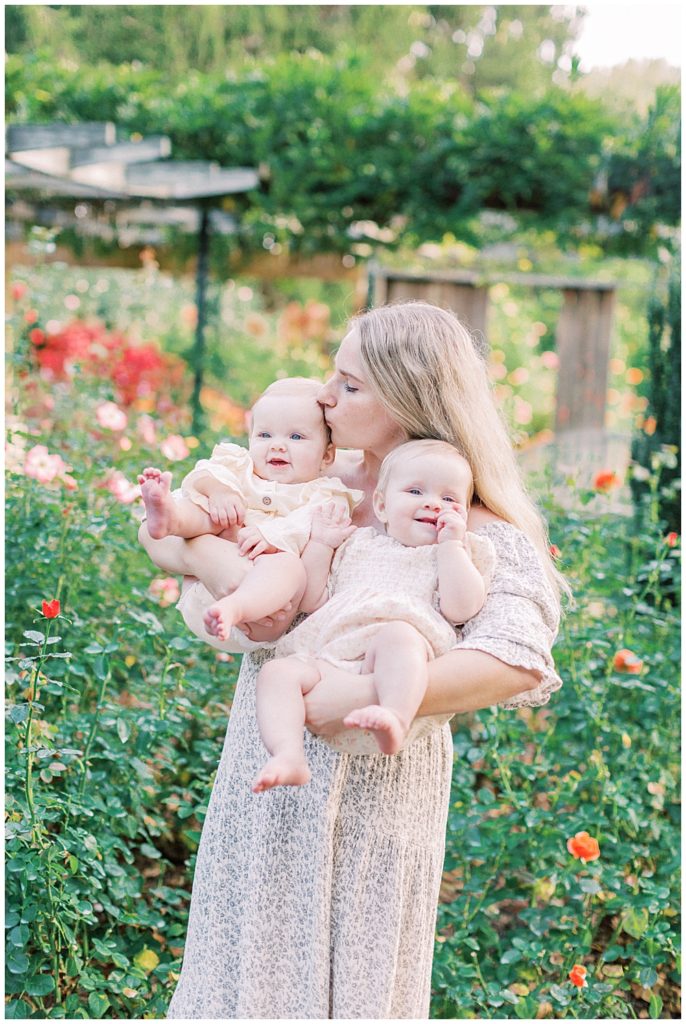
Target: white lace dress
[[319, 901]]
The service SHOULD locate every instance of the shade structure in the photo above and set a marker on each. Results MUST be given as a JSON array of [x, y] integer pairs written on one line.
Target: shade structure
[[89, 161]]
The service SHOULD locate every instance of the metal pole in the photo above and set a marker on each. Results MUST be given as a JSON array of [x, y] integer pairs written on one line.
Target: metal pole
[[201, 278]]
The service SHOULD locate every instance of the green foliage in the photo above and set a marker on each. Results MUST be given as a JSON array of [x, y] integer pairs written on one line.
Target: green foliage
[[658, 447], [479, 46], [349, 162]]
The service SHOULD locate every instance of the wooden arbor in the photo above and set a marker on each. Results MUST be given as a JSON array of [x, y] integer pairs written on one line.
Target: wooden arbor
[[582, 338], [62, 163]]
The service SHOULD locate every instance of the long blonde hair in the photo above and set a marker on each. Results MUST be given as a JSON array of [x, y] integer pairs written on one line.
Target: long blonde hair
[[428, 373]]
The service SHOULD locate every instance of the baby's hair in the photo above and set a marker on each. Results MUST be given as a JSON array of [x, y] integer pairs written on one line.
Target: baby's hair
[[293, 386], [304, 387], [418, 448]]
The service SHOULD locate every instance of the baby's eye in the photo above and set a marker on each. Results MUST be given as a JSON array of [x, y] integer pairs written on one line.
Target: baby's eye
[[448, 497], [264, 433], [297, 437], [414, 490]]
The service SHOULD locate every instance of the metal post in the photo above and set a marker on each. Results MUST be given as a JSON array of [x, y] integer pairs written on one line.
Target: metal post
[[201, 278]]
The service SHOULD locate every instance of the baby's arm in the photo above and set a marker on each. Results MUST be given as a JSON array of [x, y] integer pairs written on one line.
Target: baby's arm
[[330, 527], [461, 586], [224, 505]]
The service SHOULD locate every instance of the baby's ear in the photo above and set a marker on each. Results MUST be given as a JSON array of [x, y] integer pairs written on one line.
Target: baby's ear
[[379, 505], [329, 454]]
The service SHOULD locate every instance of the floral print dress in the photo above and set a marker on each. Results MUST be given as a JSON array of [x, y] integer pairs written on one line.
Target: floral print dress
[[319, 901]]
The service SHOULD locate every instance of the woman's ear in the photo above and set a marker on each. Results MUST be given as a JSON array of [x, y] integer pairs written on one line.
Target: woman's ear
[[329, 454], [379, 506]]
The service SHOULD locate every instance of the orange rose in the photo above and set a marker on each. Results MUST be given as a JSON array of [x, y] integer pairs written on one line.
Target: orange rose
[[584, 847], [672, 539], [605, 480], [626, 661], [577, 976]]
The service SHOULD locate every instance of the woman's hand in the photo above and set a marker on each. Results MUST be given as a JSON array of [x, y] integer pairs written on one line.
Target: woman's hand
[[335, 695]]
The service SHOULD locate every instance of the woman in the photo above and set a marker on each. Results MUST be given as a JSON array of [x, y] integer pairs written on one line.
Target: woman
[[320, 901]]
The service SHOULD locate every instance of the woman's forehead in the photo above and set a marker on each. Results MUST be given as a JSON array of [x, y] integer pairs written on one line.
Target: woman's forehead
[[349, 356]]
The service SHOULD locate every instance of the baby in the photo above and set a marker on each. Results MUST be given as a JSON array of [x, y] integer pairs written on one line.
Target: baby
[[259, 501], [392, 602]]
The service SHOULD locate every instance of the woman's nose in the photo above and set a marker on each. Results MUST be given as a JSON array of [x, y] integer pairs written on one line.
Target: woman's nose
[[326, 395]]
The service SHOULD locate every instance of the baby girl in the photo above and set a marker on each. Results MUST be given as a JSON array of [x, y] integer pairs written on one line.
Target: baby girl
[[259, 501], [386, 603]]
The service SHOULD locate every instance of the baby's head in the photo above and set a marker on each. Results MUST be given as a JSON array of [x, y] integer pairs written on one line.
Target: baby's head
[[289, 439], [417, 481]]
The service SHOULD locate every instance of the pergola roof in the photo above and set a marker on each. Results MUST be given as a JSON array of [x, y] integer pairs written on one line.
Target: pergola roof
[[88, 161]]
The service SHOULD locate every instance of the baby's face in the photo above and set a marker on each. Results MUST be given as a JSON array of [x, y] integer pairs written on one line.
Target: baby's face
[[288, 441], [417, 491]]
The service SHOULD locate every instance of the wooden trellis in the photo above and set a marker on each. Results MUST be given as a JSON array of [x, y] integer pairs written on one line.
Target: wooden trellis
[[582, 337]]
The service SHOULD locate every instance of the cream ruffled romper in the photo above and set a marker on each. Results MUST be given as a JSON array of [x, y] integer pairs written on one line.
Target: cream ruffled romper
[[319, 901], [281, 512]]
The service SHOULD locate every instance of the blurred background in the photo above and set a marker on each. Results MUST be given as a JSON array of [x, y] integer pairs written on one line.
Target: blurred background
[[197, 198]]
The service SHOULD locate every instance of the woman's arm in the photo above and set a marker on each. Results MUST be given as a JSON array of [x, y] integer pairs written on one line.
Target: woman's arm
[[459, 681]]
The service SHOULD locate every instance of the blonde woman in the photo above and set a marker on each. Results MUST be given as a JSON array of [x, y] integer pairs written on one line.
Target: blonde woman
[[319, 901]]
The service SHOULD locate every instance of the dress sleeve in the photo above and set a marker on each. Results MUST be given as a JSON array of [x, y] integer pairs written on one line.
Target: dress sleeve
[[230, 464], [290, 532], [520, 617]]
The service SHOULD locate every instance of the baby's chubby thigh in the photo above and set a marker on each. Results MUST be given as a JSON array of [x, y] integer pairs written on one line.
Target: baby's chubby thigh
[[396, 638]]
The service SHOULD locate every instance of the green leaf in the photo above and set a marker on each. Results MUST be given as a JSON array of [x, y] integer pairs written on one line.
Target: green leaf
[[19, 713], [150, 851], [635, 922], [17, 962], [18, 1010], [123, 730], [655, 1006], [19, 936], [98, 1003], [510, 956], [40, 985], [590, 885], [34, 636]]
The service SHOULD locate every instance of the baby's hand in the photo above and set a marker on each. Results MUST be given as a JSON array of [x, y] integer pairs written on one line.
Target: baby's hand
[[331, 525], [252, 543], [452, 524], [225, 508]]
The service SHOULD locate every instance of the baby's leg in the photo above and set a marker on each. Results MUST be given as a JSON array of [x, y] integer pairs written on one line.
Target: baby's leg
[[168, 516], [213, 560], [272, 583], [398, 658], [281, 685]]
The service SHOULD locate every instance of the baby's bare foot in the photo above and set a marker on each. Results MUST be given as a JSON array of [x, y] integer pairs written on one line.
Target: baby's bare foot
[[221, 617], [388, 729], [160, 509], [282, 770]]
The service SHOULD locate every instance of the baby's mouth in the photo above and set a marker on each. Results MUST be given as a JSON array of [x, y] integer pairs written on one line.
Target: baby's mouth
[[430, 520], [277, 462]]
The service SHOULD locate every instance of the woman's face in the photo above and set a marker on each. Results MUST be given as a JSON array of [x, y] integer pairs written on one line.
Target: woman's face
[[355, 415]]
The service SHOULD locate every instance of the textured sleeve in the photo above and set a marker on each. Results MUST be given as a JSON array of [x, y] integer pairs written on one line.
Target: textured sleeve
[[230, 464], [519, 620]]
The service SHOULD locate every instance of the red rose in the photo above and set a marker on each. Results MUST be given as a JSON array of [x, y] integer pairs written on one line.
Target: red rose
[[577, 976], [51, 609], [584, 847]]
